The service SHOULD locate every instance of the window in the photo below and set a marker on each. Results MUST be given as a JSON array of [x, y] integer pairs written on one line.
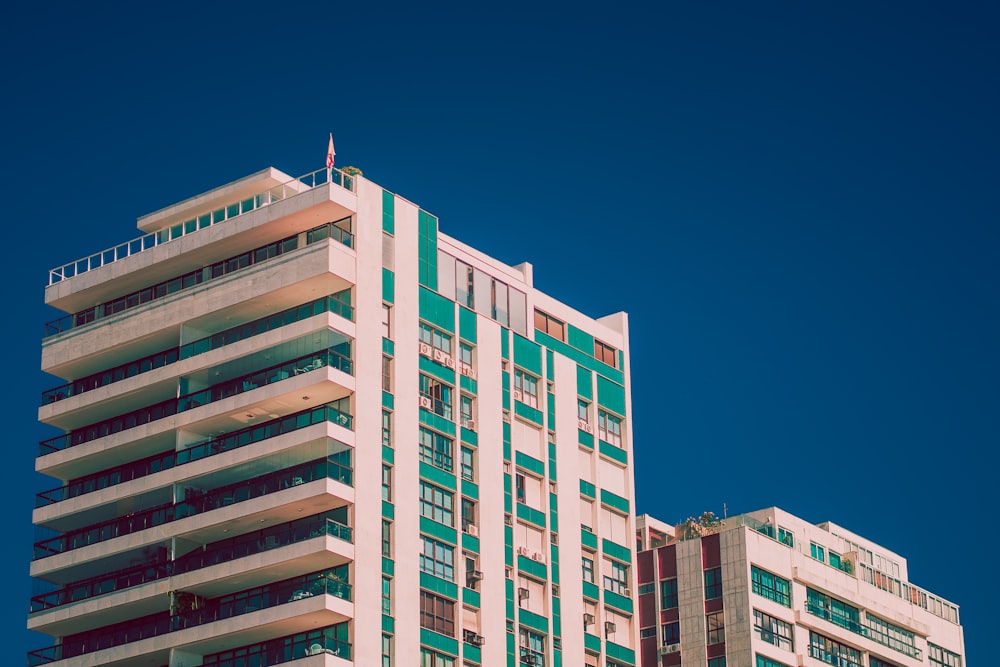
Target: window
[[646, 589], [767, 662], [833, 652], [466, 464], [519, 487], [773, 630], [771, 586], [386, 595], [817, 552], [836, 611], [605, 353], [942, 657], [387, 483], [465, 354], [438, 559], [386, 373], [465, 410], [617, 581], [588, 569], [386, 651], [429, 658], [713, 583], [437, 613], [715, 627], [472, 573], [583, 410], [387, 428], [717, 662], [647, 633], [435, 449], [671, 633], [437, 504], [668, 594], [891, 635], [532, 648], [436, 338], [438, 394], [386, 538], [525, 388], [786, 537], [386, 316], [878, 662], [468, 513], [550, 325], [609, 428]]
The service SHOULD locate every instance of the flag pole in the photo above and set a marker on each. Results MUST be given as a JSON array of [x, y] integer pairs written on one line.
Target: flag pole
[[329, 160]]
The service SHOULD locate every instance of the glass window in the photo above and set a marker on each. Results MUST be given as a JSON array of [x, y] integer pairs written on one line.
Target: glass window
[[467, 465], [786, 537], [436, 338], [550, 325], [668, 594], [386, 482], [609, 428], [833, 652], [774, 630], [588, 569], [386, 651], [465, 410], [465, 354], [438, 559], [767, 662], [387, 428], [437, 504], [942, 657], [386, 595], [435, 449], [617, 580], [605, 353], [817, 552], [437, 613], [468, 513], [717, 662], [671, 633], [713, 583], [429, 658], [519, 487], [583, 410], [386, 317], [436, 396], [771, 586], [525, 388], [532, 648], [386, 538], [715, 627], [386, 373]]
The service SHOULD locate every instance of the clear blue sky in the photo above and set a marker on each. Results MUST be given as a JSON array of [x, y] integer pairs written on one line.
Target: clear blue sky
[[796, 202]]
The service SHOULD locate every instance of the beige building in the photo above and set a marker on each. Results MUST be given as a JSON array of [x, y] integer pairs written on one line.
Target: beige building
[[300, 424], [767, 589]]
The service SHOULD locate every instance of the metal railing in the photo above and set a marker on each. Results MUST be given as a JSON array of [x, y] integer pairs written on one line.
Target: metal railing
[[227, 212]]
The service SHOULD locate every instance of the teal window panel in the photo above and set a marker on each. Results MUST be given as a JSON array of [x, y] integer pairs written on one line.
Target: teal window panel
[[531, 515], [388, 286], [619, 653], [388, 511], [508, 555], [470, 437], [510, 604], [472, 653], [550, 370], [387, 401], [552, 406], [470, 542], [588, 489], [556, 624], [617, 601], [441, 372], [438, 642], [528, 354], [388, 212], [533, 620], [505, 343], [585, 360], [585, 439], [470, 489], [591, 642], [468, 384], [388, 347], [437, 476], [529, 463], [388, 624], [440, 586], [591, 591], [388, 455], [388, 567], [510, 637], [614, 453], [506, 449], [471, 598], [584, 382], [438, 531], [556, 658], [508, 535], [616, 551], [437, 422], [552, 460], [555, 553], [528, 412], [505, 397], [507, 506], [614, 501], [427, 249], [579, 339], [437, 310], [553, 520], [466, 325], [588, 539], [610, 395], [533, 568], [621, 359]]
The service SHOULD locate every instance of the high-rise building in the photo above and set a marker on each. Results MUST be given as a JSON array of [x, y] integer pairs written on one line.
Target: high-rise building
[[297, 423], [768, 589]]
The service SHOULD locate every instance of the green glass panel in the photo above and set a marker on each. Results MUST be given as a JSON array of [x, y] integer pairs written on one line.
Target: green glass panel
[[467, 325]]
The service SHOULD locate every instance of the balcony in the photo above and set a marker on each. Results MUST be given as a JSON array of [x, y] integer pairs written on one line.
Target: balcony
[[282, 650]]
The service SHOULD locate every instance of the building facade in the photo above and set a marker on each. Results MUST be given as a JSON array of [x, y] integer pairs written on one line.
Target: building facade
[[767, 589], [298, 423]]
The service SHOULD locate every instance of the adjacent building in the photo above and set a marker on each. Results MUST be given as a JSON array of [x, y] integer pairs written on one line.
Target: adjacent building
[[297, 423], [767, 589]]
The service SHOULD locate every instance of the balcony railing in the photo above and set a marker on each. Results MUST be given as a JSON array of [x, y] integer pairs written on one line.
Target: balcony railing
[[223, 551], [153, 239], [210, 611], [837, 619], [196, 503], [334, 304], [239, 385], [199, 276], [283, 649], [195, 452]]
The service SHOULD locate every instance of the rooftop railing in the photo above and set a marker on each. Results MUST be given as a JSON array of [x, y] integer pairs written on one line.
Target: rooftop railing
[[215, 553], [167, 460], [334, 303], [227, 212], [208, 611], [196, 503], [217, 392]]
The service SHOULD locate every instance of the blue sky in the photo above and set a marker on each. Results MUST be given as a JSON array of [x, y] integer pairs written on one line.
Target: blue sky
[[795, 202]]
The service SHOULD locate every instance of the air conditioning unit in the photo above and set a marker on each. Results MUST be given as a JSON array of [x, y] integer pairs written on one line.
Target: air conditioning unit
[[626, 592], [610, 627], [449, 362], [506, 416], [584, 426], [517, 395], [475, 574], [426, 350], [588, 619], [470, 424], [522, 593], [524, 551], [538, 557], [425, 402], [471, 530], [472, 638], [670, 648], [508, 520]]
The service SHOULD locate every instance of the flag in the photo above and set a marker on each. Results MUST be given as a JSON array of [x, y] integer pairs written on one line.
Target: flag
[[330, 153]]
